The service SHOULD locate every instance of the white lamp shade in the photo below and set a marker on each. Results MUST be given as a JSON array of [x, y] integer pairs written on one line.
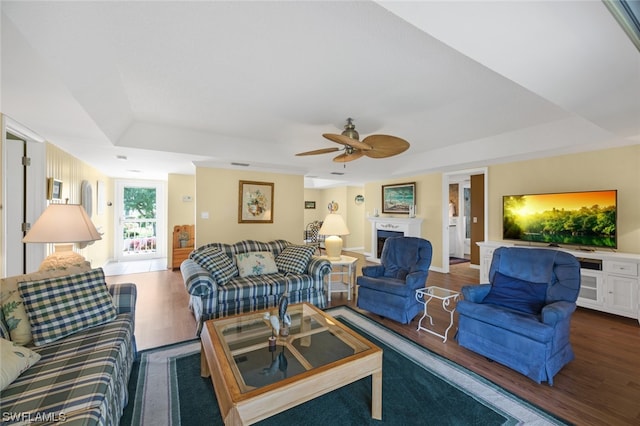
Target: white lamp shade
[[333, 225], [63, 223]]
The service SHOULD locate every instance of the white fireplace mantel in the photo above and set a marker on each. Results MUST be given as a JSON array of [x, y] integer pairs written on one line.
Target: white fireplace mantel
[[409, 226]]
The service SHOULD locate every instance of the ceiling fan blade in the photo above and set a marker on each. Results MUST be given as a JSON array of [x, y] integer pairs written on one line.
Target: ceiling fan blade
[[318, 151], [344, 158], [385, 146], [346, 140]]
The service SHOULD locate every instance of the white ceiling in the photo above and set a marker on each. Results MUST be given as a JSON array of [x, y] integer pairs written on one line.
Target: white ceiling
[[173, 84]]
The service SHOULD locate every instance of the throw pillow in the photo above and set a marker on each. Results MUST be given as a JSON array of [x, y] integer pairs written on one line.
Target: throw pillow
[[217, 263], [4, 328], [15, 360], [15, 315], [294, 259], [516, 294], [58, 307], [256, 263]]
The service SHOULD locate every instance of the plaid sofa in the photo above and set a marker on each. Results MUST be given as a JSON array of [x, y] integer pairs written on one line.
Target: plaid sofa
[[80, 379], [209, 300]]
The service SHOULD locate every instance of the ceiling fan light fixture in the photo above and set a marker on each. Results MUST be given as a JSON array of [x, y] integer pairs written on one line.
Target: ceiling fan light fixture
[[350, 130], [373, 146]]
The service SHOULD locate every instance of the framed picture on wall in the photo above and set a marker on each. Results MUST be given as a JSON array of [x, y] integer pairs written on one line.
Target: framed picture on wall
[[255, 202], [398, 198], [309, 204], [54, 189]]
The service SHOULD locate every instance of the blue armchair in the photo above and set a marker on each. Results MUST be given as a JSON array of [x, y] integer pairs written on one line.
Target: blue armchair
[[522, 318], [389, 289]]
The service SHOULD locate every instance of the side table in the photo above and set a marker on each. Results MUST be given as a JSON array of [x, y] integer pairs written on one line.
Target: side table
[[425, 295], [347, 268]]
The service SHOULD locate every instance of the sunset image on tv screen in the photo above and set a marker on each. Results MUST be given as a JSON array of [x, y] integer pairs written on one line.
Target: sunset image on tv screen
[[575, 218]]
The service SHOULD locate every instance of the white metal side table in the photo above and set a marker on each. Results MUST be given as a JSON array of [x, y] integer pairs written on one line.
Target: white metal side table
[[346, 268], [425, 295]]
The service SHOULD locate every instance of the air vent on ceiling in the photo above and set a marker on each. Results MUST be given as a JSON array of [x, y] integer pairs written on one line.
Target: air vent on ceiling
[[337, 173], [240, 164]]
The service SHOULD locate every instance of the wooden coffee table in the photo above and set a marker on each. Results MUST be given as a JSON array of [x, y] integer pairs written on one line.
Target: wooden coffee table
[[253, 381]]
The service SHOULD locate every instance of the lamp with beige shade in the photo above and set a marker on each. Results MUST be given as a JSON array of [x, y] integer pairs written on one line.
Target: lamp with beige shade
[[62, 223], [333, 228]]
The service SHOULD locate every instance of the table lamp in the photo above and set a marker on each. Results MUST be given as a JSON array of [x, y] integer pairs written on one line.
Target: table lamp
[[332, 228], [62, 223]]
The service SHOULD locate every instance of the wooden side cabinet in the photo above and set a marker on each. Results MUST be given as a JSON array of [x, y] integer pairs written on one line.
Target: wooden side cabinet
[[181, 250]]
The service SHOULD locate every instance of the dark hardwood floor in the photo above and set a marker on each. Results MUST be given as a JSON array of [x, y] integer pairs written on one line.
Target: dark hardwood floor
[[600, 387]]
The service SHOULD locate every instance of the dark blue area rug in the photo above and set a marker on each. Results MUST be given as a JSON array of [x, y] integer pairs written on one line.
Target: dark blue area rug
[[419, 387]]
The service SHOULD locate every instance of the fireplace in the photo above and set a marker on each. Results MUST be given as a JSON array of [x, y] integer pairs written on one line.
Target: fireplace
[[382, 237], [385, 227]]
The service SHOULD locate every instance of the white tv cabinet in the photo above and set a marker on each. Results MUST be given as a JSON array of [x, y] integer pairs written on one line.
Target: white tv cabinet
[[611, 286]]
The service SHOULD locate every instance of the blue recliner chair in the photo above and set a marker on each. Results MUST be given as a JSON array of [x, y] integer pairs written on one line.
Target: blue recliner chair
[[389, 289], [522, 318]]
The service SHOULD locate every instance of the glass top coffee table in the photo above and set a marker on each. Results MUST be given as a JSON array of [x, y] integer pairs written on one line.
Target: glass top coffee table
[[253, 380]]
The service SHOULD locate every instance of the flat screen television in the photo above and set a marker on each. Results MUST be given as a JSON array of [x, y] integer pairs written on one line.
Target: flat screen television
[[586, 219]]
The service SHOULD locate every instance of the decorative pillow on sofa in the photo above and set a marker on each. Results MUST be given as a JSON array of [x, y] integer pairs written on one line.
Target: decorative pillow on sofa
[[217, 263], [15, 360], [58, 307], [15, 315], [294, 259], [4, 328], [517, 294], [256, 263]]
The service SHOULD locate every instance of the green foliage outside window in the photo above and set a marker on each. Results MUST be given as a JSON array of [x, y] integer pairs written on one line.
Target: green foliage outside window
[[140, 202]]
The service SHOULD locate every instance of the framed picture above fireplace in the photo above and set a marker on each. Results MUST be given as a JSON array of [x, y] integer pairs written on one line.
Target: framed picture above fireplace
[[398, 198]]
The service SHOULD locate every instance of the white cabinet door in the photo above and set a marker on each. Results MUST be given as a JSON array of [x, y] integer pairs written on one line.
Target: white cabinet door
[[622, 294], [591, 289]]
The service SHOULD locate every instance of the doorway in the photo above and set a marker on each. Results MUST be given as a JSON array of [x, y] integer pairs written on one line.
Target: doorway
[[140, 220], [464, 215], [459, 218], [23, 196]]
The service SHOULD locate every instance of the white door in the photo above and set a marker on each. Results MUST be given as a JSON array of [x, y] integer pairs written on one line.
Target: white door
[[465, 229], [24, 201], [140, 220]]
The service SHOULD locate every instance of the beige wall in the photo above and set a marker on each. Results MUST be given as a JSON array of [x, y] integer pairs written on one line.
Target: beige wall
[[428, 207], [179, 211], [320, 211], [71, 171], [616, 168], [352, 214], [356, 218], [217, 194], [338, 195]]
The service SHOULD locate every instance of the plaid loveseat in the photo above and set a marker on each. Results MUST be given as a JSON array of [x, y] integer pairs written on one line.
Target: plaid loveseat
[[210, 299], [80, 379]]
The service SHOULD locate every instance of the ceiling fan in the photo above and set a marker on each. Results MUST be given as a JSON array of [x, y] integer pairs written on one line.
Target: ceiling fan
[[373, 146]]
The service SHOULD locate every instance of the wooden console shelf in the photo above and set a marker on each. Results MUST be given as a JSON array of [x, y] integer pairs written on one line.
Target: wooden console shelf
[[179, 253], [610, 281]]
